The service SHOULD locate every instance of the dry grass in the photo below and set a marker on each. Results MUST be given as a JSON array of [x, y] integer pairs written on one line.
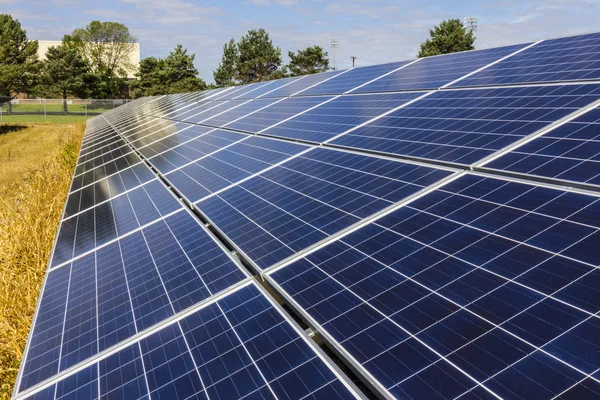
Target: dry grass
[[36, 166]]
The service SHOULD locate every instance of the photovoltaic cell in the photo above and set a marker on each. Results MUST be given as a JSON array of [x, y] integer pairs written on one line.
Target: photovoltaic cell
[[435, 72], [308, 198], [230, 165], [190, 150], [96, 226], [574, 58], [238, 112], [109, 295], [475, 287], [570, 152], [483, 283], [300, 85], [240, 346], [276, 113], [464, 126], [347, 81], [337, 116]]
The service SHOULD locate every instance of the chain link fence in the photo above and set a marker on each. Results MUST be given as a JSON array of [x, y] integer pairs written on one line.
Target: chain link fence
[[46, 107]]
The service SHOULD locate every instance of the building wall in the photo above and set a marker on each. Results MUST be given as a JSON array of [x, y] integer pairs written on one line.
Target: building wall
[[134, 57]]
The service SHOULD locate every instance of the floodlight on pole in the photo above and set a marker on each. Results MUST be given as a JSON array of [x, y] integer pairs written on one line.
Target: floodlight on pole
[[470, 23], [334, 43], [353, 58]]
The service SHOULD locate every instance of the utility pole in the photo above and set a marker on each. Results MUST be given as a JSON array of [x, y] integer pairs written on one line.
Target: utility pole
[[353, 58], [334, 43]]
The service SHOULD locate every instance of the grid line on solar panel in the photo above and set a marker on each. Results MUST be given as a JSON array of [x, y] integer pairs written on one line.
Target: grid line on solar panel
[[175, 156], [234, 114], [278, 84], [307, 82], [229, 174], [337, 115], [568, 151], [236, 315], [274, 199], [464, 126], [523, 48], [278, 113], [180, 297], [342, 83], [82, 208], [507, 191], [572, 58], [127, 226]]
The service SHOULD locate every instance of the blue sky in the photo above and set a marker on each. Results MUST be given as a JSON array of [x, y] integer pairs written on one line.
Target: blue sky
[[374, 31]]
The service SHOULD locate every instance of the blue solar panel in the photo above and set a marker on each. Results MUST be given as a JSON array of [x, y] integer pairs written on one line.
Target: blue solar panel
[[80, 233], [238, 112], [351, 79], [188, 110], [106, 188], [337, 116], [302, 201], [428, 281], [110, 294], [570, 152], [276, 113], [170, 155], [230, 165], [240, 346], [573, 58], [297, 87], [435, 72], [166, 143], [481, 287], [264, 90], [464, 126]]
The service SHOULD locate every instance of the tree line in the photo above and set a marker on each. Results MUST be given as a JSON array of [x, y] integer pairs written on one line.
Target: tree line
[[93, 62]]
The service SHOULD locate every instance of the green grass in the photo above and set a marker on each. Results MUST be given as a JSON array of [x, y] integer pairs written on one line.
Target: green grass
[[56, 108], [55, 119]]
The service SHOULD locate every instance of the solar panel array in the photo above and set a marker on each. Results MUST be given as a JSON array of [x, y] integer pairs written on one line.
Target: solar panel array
[[436, 221]]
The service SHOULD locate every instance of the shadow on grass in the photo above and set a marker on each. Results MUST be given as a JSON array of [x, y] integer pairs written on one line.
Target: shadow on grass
[[4, 129]]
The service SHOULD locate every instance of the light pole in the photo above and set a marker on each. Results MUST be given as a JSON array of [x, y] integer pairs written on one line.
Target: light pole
[[470, 24], [353, 58], [334, 43]]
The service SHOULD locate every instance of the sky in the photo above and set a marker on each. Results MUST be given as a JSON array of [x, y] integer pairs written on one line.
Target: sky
[[374, 31]]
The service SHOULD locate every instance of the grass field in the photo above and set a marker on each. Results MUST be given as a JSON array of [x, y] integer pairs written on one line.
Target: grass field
[[55, 119], [79, 108], [37, 164]]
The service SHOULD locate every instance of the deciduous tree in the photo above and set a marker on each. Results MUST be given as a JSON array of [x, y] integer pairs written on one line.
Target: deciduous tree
[[107, 47]]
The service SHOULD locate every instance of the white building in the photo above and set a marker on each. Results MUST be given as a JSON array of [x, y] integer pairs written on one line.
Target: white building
[[134, 57]]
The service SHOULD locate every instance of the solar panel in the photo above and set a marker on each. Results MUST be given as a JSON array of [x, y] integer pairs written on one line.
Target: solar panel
[[482, 285], [297, 87], [574, 58], [337, 116], [569, 152], [241, 345], [346, 81], [304, 200], [276, 113], [464, 126], [430, 238], [435, 72]]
